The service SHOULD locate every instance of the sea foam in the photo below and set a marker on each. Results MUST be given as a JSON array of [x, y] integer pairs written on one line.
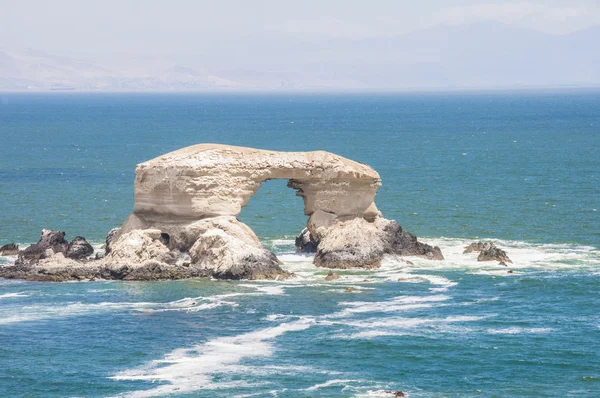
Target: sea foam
[[191, 369]]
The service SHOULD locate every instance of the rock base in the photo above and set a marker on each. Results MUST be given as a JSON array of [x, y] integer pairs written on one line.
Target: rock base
[[358, 243], [150, 254]]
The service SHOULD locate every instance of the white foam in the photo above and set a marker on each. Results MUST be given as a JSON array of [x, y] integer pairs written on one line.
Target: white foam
[[399, 326], [271, 290], [283, 242], [11, 295], [328, 383], [40, 312], [378, 393], [7, 261], [523, 255], [401, 303], [519, 330], [43, 312], [187, 370]]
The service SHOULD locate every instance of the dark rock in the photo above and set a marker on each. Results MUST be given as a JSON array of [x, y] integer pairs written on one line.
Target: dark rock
[[494, 254], [403, 243], [488, 252], [79, 249], [331, 276], [35, 272], [151, 271], [111, 236], [10, 249], [51, 242], [350, 289], [305, 242], [395, 393], [476, 247]]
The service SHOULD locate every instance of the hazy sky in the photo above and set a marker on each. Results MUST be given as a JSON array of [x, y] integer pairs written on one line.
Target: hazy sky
[[160, 27]]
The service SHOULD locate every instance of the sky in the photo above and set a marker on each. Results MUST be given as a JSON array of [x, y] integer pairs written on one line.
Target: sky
[[154, 27]]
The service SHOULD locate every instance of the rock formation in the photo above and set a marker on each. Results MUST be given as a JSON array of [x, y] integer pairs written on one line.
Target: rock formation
[[184, 219], [488, 252], [9, 249]]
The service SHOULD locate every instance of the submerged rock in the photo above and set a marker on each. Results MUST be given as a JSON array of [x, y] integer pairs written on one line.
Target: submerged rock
[[331, 276], [488, 252], [395, 393], [9, 249]]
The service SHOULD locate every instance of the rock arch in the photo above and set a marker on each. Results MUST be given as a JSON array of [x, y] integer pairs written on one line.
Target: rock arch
[[194, 195], [184, 220], [210, 180]]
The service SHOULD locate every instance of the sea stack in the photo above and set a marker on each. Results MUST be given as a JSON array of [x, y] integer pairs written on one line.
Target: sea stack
[[184, 219]]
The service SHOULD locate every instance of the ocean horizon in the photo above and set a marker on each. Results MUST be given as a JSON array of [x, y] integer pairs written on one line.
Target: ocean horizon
[[518, 168]]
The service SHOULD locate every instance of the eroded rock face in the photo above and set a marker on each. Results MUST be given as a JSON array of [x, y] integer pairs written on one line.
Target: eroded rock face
[[112, 234], [79, 249], [50, 243], [210, 180], [360, 243], [224, 256]]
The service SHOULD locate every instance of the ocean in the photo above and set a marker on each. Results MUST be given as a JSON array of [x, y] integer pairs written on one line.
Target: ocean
[[520, 168]]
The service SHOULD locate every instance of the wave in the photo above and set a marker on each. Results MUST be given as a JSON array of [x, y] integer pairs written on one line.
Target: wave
[[399, 326], [191, 369], [526, 257], [401, 303], [43, 312], [11, 295], [519, 330], [333, 382]]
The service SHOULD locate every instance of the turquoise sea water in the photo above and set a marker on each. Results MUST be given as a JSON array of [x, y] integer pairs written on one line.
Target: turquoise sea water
[[521, 168]]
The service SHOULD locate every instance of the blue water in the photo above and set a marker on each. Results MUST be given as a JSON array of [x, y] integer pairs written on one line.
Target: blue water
[[521, 168]]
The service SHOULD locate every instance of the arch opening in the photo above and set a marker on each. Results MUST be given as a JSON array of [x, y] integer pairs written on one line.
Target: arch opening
[[275, 214]]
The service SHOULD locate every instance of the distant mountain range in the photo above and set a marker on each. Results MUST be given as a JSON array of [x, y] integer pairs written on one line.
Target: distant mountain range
[[481, 55]]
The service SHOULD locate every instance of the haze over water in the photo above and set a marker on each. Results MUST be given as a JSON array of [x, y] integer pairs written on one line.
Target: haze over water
[[521, 168]]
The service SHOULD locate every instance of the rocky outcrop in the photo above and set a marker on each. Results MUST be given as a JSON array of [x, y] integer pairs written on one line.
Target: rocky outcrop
[[305, 243], [9, 249], [184, 220], [488, 252], [50, 243], [109, 238], [360, 243], [79, 249]]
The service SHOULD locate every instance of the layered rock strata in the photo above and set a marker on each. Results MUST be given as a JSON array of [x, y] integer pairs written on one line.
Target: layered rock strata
[[184, 220]]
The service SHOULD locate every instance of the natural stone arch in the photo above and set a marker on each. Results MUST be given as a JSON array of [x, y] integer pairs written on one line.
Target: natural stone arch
[[194, 195], [184, 220], [210, 180]]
